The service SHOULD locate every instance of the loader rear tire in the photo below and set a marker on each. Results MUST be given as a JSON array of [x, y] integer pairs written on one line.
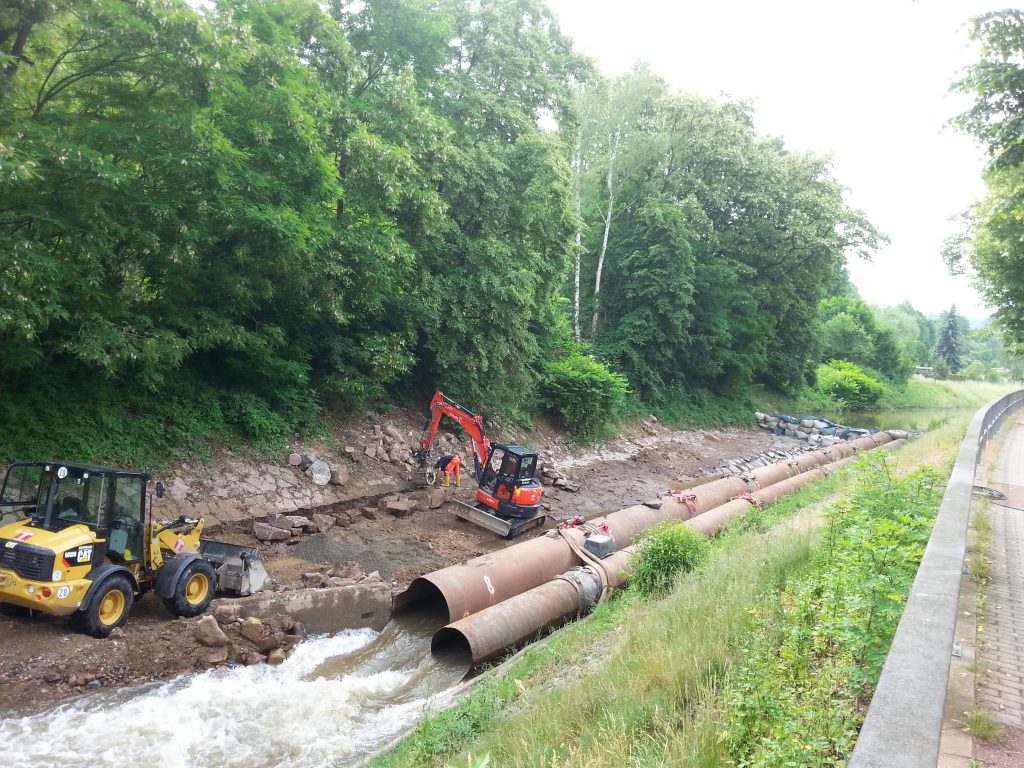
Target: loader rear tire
[[194, 590], [108, 608]]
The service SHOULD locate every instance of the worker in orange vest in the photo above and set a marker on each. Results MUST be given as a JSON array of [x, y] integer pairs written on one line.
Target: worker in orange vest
[[450, 464]]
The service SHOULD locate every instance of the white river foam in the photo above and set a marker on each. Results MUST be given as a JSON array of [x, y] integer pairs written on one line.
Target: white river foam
[[257, 717]]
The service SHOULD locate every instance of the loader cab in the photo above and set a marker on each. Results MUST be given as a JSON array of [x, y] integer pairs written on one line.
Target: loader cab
[[508, 484], [58, 495]]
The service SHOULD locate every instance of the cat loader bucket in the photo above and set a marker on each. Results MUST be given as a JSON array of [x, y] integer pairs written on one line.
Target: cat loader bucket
[[239, 569]]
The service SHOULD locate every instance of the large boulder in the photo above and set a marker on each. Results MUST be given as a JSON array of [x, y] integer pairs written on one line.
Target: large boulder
[[339, 475], [324, 523], [296, 523], [403, 508], [267, 532], [227, 613], [251, 629], [209, 633], [319, 472]]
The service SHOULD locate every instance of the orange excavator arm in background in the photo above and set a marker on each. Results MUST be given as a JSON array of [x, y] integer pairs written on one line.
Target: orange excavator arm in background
[[442, 405]]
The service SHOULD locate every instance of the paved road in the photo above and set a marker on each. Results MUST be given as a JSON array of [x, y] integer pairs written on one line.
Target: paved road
[[1001, 640]]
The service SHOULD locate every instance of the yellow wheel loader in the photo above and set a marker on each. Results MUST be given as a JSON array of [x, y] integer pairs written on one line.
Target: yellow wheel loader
[[80, 541]]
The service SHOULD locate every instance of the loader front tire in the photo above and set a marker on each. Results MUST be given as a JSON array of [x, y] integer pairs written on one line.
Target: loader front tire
[[108, 608], [194, 589]]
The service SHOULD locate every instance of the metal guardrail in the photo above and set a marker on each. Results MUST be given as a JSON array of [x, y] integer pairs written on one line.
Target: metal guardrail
[[903, 726]]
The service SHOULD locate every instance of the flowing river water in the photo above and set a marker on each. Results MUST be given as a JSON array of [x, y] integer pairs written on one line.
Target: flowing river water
[[333, 702]]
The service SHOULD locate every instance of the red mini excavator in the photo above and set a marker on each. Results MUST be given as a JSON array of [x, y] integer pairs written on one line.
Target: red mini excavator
[[508, 497]]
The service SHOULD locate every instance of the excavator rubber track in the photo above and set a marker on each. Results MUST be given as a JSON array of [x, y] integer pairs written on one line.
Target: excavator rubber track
[[506, 528]]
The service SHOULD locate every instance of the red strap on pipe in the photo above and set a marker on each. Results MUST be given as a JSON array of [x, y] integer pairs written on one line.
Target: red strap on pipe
[[689, 499], [752, 499]]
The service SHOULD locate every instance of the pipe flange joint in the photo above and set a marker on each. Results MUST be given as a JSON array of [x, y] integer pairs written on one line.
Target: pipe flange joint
[[587, 583]]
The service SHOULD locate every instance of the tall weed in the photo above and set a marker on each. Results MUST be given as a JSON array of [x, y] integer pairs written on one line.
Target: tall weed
[[819, 647]]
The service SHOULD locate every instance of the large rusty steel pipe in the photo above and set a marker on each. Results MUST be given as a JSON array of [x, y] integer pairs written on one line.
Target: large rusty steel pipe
[[717, 519], [518, 619], [489, 633], [463, 589]]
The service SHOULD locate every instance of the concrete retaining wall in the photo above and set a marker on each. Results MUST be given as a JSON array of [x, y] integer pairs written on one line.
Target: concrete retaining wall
[[331, 609]]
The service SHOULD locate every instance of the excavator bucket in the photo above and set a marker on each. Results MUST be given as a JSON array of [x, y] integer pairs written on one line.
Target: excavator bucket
[[239, 569]]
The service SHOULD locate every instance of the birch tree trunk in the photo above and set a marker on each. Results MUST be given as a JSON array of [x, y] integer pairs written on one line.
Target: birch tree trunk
[[607, 217], [577, 165]]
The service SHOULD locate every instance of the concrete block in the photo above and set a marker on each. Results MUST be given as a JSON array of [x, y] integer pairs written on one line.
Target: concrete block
[[331, 609]]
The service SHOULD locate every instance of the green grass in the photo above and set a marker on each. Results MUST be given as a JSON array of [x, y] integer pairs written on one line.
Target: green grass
[[915, 393], [796, 697], [981, 725], [982, 532], [689, 408], [929, 393]]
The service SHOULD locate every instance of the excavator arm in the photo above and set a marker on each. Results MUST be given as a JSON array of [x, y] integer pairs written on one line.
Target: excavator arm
[[442, 405]]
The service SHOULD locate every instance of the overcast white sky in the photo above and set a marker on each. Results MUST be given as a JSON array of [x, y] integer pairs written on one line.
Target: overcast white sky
[[866, 82]]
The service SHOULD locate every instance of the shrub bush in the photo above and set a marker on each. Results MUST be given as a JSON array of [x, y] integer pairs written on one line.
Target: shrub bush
[[848, 385], [668, 550], [583, 393]]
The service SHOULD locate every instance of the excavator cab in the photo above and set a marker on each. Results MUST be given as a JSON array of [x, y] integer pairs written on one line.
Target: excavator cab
[[508, 484]]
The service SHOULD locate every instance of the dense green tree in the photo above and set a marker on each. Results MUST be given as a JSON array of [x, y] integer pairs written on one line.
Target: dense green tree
[[651, 296], [766, 230], [912, 329], [997, 82], [993, 229], [497, 267], [985, 346], [219, 220], [851, 331], [949, 346], [845, 338]]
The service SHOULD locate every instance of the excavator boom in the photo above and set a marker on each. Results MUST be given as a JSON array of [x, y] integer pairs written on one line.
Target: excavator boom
[[443, 405]]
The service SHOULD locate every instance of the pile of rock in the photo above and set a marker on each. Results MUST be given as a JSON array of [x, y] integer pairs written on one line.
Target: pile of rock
[[318, 470], [289, 528], [815, 430], [404, 505], [551, 476], [342, 575], [741, 464], [249, 640], [283, 527], [388, 444]]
